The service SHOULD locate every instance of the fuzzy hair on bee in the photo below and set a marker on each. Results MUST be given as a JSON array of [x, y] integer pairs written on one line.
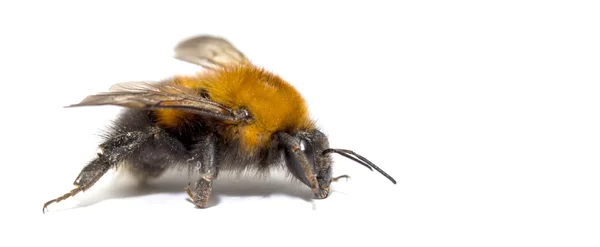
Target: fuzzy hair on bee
[[232, 116]]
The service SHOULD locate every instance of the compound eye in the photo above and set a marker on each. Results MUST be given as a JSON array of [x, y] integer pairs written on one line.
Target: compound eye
[[307, 148], [303, 144]]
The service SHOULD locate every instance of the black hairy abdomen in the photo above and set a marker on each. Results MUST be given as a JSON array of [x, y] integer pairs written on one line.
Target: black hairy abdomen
[[163, 148]]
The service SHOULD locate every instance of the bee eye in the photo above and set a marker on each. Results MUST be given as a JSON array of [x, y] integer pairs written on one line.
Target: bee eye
[[307, 148], [303, 144]]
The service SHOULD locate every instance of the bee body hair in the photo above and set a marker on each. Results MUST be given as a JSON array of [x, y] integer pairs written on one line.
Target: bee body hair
[[273, 104], [162, 149]]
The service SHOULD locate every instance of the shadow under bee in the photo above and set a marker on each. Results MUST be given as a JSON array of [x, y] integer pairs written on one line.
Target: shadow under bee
[[124, 186]]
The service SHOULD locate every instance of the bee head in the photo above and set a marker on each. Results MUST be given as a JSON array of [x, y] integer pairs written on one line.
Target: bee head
[[315, 144], [313, 166]]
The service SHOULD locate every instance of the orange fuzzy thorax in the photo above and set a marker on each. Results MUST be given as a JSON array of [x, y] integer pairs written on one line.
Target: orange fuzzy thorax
[[274, 104]]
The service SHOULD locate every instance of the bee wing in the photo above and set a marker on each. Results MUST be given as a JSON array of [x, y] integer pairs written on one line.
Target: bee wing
[[153, 96], [209, 52]]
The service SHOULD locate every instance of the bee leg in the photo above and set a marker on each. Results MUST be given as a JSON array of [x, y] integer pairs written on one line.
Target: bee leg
[[87, 177], [110, 152], [336, 179], [205, 154]]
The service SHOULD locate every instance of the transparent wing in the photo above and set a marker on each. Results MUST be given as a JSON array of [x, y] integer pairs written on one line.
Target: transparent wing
[[209, 52], [153, 96]]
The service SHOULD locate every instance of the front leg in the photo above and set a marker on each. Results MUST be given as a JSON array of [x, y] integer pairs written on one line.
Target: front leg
[[205, 158]]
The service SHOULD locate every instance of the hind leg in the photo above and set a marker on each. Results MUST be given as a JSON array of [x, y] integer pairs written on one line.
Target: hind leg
[[116, 149]]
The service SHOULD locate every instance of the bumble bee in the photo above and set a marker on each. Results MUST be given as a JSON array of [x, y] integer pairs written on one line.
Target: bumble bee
[[233, 116]]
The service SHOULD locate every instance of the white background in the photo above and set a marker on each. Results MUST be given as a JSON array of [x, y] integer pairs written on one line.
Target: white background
[[486, 114]]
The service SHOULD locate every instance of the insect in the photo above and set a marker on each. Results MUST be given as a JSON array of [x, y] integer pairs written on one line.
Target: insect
[[232, 116]]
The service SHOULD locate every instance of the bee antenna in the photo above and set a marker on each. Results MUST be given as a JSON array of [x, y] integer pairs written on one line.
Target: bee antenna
[[359, 159]]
